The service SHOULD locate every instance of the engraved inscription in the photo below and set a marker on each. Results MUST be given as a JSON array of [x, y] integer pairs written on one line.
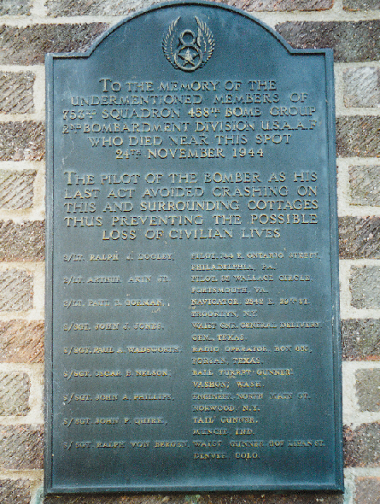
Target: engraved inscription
[[192, 300]]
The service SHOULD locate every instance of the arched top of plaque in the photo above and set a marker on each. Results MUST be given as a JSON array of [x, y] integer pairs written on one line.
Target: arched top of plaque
[[189, 35]]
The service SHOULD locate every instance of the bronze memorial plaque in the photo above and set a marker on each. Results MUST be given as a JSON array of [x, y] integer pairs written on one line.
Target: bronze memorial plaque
[[192, 292]]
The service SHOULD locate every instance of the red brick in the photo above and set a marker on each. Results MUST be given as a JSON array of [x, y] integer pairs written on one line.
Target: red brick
[[16, 189], [16, 290], [367, 389], [21, 341], [365, 287], [22, 242], [361, 87], [351, 41], [360, 338], [14, 394], [58, 8], [367, 490], [14, 491], [15, 8], [364, 183], [357, 5], [362, 446], [16, 92], [214, 498], [272, 498], [21, 447], [28, 45], [358, 136], [22, 141], [280, 5], [114, 499], [359, 237]]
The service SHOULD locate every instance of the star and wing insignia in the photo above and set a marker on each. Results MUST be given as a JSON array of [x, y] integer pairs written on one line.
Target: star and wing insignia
[[187, 50]]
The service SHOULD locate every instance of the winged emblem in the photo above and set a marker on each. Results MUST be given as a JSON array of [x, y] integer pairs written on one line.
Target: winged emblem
[[187, 50]]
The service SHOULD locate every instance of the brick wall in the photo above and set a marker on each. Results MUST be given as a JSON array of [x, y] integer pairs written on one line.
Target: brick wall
[[29, 29]]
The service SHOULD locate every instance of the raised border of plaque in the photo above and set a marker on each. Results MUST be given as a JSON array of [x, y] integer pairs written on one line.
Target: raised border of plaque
[[77, 471]]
